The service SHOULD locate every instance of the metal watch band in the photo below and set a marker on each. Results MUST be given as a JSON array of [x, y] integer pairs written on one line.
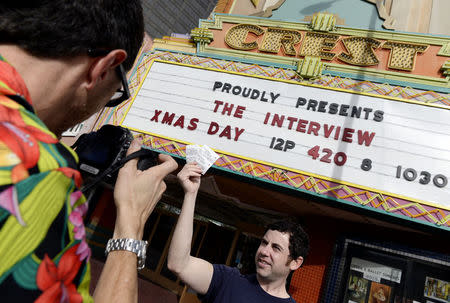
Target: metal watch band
[[138, 247]]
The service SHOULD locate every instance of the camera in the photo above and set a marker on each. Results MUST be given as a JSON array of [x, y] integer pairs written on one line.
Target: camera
[[102, 153]]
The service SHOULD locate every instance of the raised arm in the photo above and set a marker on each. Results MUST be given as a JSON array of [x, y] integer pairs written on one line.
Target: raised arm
[[136, 194], [195, 272]]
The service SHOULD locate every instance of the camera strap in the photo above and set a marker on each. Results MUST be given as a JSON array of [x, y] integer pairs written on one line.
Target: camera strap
[[113, 168]]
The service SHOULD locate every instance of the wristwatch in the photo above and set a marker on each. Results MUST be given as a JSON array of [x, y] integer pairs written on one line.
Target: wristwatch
[[139, 247]]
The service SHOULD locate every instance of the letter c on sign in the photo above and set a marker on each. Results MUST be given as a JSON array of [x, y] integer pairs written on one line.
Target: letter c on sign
[[236, 36]]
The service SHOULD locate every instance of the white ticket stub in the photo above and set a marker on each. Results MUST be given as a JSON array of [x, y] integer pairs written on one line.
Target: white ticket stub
[[203, 155]]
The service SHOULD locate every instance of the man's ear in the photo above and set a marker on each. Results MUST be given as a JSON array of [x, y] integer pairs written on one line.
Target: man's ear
[[295, 264], [101, 66]]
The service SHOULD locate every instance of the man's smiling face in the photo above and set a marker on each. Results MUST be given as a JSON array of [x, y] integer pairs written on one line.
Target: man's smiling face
[[273, 261]]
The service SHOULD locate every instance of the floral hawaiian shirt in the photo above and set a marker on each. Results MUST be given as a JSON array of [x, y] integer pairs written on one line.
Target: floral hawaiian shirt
[[43, 252]]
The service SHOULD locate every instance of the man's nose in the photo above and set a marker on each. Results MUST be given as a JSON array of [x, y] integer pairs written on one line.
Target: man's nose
[[264, 250]]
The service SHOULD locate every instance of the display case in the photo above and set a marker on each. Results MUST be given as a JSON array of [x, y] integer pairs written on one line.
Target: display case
[[370, 272]]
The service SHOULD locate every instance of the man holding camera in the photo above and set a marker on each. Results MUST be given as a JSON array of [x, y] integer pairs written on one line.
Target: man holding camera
[[60, 62], [282, 250]]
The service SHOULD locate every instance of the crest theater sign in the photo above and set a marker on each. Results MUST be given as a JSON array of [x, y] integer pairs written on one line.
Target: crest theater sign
[[410, 59], [359, 50]]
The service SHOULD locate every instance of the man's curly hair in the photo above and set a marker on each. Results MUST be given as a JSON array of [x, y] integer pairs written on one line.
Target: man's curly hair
[[65, 28], [298, 238]]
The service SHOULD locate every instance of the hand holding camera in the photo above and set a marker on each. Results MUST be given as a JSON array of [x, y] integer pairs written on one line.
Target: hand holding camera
[[139, 184], [136, 193]]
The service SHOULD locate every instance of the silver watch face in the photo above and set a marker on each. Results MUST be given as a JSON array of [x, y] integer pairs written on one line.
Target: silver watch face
[[138, 247]]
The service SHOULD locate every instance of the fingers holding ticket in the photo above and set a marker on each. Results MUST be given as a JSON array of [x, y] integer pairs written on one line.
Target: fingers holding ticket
[[204, 156]]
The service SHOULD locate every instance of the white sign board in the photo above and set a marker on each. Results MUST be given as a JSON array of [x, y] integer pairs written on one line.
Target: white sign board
[[395, 147], [375, 272]]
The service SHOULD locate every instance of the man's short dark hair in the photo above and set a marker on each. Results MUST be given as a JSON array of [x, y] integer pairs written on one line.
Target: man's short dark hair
[[298, 238], [65, 28]]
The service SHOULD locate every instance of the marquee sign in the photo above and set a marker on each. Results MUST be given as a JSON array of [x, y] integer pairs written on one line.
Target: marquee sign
[[361, 51], [414, 59], [399, 148]]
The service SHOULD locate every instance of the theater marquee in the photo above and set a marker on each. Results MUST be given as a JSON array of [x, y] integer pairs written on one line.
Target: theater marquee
[[391, 146], [420, 61]]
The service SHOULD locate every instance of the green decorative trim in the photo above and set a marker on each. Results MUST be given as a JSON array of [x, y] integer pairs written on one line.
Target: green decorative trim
[[388, 75], [246, 60], [445, 50], [202, 35], [286, 188], [364, 77], [310, 67], [446, 68], [323, 22], [293, 62], [260, 57], [170, 50], [218, 19], [350, 74]]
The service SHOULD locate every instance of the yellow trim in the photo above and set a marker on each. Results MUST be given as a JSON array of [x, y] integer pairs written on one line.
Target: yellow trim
[[334, 67], [255, 3], [216, 23], [277, 165], [290, 82], [232, 7], [445, 50], [136, 92], [317, 23], [290, 169], [391, 74]]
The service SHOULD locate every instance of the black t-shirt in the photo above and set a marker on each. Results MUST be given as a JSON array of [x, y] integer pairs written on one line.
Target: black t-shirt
[[229, 286]]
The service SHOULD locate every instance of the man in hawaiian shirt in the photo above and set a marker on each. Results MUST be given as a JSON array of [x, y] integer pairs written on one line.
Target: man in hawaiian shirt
[[60, 62]]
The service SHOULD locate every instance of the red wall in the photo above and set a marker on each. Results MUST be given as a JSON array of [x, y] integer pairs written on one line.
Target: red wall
[[306, 283]]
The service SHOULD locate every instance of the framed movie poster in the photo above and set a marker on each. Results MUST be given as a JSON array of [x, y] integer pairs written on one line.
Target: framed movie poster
[[437, 290], [379, 293], [357, 289], [371, 282]]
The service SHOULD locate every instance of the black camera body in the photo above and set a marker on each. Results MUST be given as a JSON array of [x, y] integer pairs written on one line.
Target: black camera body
[[103, 152], [97, 151]]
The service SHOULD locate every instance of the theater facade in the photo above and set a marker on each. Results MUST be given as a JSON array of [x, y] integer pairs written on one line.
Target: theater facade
[[344, 125]]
